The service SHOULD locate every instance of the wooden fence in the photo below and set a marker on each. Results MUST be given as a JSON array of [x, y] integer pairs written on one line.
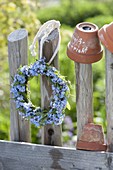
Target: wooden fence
[[18, 154]]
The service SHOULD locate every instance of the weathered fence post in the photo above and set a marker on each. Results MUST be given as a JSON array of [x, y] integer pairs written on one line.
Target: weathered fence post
[[51, 134], [84, 48], [109, 98], [105, 35], [17, 54], [84, 96]]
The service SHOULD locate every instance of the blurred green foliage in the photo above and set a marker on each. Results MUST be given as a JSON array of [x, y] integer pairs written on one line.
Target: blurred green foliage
[[71, 12], [100, 20], [21, 14]]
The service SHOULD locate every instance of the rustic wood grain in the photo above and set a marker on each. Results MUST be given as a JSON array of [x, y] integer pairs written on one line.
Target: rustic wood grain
[[109, 98], [17, 54], [84, 96], [51, 134], [25, 156]]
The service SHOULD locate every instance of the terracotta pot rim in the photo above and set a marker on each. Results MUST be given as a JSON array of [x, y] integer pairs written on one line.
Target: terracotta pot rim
[[105, 38], [90, 124], [108, 29], [93, 146], [93, 28], [84, 58]]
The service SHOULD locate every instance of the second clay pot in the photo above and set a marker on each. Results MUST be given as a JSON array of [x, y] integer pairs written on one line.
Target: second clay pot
[[106, 36]]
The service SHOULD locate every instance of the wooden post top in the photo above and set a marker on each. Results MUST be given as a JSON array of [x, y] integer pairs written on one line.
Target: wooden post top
[[17, 35]]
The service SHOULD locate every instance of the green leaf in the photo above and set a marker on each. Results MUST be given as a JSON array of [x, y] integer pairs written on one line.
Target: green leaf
[[68, 106]]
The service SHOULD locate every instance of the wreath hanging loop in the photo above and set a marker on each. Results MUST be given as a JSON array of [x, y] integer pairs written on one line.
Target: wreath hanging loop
[[60, 90], [43, 34]]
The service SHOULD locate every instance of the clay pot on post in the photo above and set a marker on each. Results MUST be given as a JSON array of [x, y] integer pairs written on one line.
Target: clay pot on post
[[92, 138], [84, 46], [106, 36]]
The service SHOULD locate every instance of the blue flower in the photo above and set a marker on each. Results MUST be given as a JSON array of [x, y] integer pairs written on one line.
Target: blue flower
[[50, 118], [21, 88], [61, 115], [49, 121], [35, 66], [32, 72], [56, 104], [38, 109], [60, 81], [52, 70], [63, 103], [56, 90], [27, 107], [19, 78], [38, 118], [24, 70], [61, 94], [57, 121], [18, 104], [50, 73], [42, 71], [20, 98], [51, 104], [54, 79], [15, 92], [42, 61], [36, 123], [53, 87], [30, 114], [55, 97], [65, 88], [21, 114], [42, 67]]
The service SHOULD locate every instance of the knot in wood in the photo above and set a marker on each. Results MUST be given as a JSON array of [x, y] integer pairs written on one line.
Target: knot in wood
[[50, 132]]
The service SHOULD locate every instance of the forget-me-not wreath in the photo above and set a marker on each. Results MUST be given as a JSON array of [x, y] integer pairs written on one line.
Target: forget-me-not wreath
[[60, 91]]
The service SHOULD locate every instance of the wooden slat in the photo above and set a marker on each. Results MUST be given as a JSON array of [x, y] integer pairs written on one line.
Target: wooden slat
[[84, 95], [109, 98], [51, 135], [17, 54], [25, 156]]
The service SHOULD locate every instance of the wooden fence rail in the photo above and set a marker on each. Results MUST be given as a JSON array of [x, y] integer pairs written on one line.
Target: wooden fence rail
[[27, 156]]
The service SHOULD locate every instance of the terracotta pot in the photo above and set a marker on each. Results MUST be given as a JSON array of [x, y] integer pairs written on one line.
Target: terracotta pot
[[106, 36], [84, 46], [92, 138]]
